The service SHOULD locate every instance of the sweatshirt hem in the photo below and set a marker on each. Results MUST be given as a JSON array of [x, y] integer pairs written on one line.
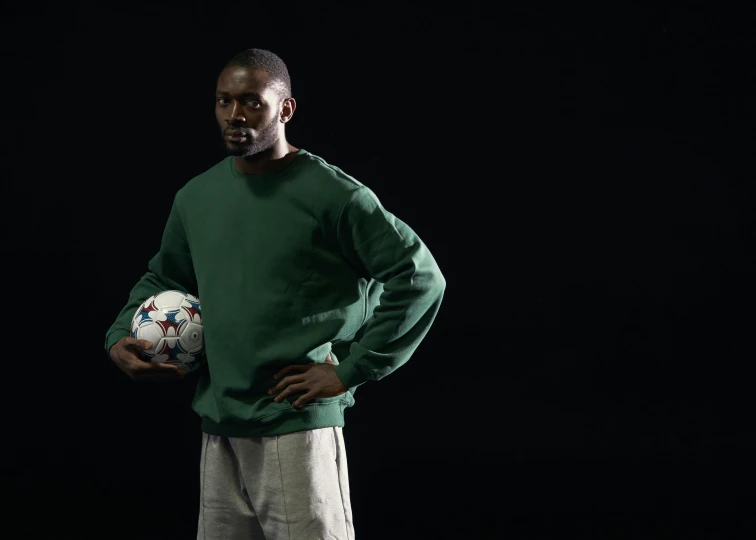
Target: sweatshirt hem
[[311, 416]]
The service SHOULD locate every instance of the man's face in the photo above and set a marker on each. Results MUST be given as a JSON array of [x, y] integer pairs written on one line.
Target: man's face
[[245, 105]]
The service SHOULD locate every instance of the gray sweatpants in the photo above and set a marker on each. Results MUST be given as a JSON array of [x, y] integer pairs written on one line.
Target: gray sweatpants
[[292, 487]]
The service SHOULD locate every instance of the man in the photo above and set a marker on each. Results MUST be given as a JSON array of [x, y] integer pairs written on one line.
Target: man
[[308, 288]]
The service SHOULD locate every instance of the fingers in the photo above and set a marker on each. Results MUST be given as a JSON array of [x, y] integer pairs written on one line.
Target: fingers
[[139, 363], [291, 379], [292, 367], [128, 358], [287, 386], [291, 389], [138, 343], [296, 383], [154, 371], [304, 398], [157, 367]]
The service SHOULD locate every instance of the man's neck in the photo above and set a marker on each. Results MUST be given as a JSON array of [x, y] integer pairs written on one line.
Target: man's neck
[[269, 161]]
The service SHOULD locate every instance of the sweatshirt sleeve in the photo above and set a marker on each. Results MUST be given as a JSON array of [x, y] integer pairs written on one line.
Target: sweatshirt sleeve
[[170, 269], [380, 246]]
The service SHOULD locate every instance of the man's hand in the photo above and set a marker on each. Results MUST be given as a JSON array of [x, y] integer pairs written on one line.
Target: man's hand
[[125, 354], [316, 380]]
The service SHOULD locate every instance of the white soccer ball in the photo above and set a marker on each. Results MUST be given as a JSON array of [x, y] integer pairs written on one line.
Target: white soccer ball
[[172, 321]]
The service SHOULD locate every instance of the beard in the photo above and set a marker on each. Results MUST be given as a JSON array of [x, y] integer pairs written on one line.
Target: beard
[[264, 140]]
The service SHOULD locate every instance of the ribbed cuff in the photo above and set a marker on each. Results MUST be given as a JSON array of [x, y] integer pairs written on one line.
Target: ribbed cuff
[[349, 374]]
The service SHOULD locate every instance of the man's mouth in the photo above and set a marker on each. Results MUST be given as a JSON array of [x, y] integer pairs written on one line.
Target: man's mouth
[[238, 137]]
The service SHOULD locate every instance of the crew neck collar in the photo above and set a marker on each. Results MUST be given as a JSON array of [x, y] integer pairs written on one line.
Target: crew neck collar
[[245, 176]]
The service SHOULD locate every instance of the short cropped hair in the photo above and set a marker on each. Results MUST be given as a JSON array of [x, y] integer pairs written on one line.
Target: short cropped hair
[[265, 61]]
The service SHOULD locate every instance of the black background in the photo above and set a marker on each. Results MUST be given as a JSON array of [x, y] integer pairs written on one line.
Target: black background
[[582, 175]]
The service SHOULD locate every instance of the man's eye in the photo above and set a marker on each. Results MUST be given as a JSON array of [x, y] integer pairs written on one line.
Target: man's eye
[[252, 101]]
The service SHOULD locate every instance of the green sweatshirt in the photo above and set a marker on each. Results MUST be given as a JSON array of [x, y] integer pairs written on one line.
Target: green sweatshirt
[[289, 266]]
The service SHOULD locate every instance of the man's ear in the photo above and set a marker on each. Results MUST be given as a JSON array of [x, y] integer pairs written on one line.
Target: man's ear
[[288, 106]]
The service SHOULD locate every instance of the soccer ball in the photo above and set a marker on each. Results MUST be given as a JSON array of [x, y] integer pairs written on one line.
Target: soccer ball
[[172, 321]]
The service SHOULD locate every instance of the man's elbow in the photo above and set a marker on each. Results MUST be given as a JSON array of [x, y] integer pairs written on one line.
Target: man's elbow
[[439, 281]]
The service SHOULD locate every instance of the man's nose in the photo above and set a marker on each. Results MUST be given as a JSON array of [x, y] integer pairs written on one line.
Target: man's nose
[[233, 115]]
